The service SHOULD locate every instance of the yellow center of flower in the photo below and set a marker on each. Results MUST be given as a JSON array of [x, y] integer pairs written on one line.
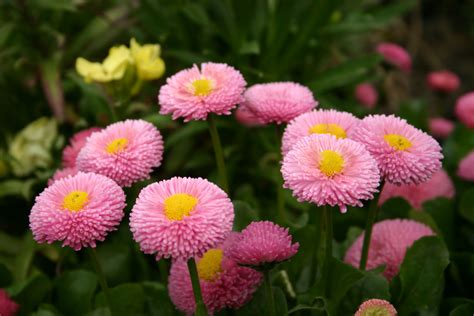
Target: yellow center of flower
[[179, 205], [210, 264], [332, 129], [75, 200], [331, 163], [202, 87], [117, 145], [376, 311], [398, 142]]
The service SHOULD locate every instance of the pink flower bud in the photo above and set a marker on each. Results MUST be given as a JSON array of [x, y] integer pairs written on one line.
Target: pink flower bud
[[367, 95], [440, 127], [465, 109], [395, 55], [443, 80]]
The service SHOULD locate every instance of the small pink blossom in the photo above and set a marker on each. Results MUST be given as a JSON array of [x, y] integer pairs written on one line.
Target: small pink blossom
[[376, 307], [76, 143], [395, 55], [8, 307], [444, 80], [465, 109], [466, 167], [366, 94], [440, 127]]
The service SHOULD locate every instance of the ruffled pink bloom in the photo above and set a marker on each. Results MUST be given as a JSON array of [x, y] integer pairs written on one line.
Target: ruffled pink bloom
[[76, 143], [325, 170], [440, 127], [466, 167], [366, 94], [77, 210], [439, 185], [389, 243], [465, 109], [193, 94], [404, 153], [62, 173], [181, 218], [339, 124], [443, 80], [262, 243], [125, 151], [376, 307], [246, 117], [8, 307], [231, 287], [395, 55], [278, 102]]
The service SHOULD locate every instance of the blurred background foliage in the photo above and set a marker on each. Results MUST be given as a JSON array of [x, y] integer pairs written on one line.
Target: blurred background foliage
[[328, 45]]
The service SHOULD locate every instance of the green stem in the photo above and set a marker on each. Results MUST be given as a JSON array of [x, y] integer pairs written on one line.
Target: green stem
[[101, 277], [269, 293], [201, 309], [216, 143], [324, 249], [280, 191], [371, 218]]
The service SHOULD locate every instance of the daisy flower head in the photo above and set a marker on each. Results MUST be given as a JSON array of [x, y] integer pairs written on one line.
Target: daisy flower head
[[390, 241], [439, 185], [76, 143], [376, 307], [404, 153], [181, 218], [278, 102], [62, 173], [367, 95], [395, 55], [78, 210], [246, 117], [466, 167], [440, 127], [327, 170], [224, 284], [125, 151], [339, 124], [196, 92], [444, 80], [465, 109], [8, 307], [261, 243]]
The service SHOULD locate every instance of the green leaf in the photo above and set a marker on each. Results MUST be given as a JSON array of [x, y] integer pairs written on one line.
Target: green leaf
[[31, 292], [466, 205], [442, 212], [244, 215], [395, 208], [5, 276], [75, 291], [458, 144], [189, 130], [281, 306], [46, 310], [414, 111], [420, 275], [157, 299], [60, 5], [463, 310], [126, 299]]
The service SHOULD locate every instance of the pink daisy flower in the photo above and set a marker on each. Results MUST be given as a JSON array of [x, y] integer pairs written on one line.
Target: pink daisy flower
[[404, 153], [443, 80], [323, 169], [339, 124], [366, 94], [395, 55], [466, 167], [440, 127], [194, 93], [390, 241], [76, 143], [125, 151], [224, 283], [77, 210], [8, 307], [62, 173], [376, 307], [246, 117], [261, 243], [439, 185], [465, 109], [181, 218], [278, 102]]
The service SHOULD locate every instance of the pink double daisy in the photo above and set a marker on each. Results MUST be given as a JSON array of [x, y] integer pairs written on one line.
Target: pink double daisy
[[339, 124], [224, 284], [465, 109], [404, 153], [261, 243], [181, 218], [8, 307], [443, 80], [366, 94], [325, 170], [278, 102], [389, 243], [376, 307], [440, 127], [195, 93], [76, 143], [62, 173], [395, 55], [78, 210], [125, 151], [466, 167]]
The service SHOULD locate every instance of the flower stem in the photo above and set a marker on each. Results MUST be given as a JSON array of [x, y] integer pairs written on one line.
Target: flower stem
[[101, 277], [280, 192], [216, 143], [324, 249], [371, 218], [201, 309], [269, 293]]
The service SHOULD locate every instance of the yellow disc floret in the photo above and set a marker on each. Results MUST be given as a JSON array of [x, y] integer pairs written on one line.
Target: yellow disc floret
[[398, 142], [209, 266], [202, 87], [117, 145], [179, 205], [332, 129], [331, 163], [75, 200]]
